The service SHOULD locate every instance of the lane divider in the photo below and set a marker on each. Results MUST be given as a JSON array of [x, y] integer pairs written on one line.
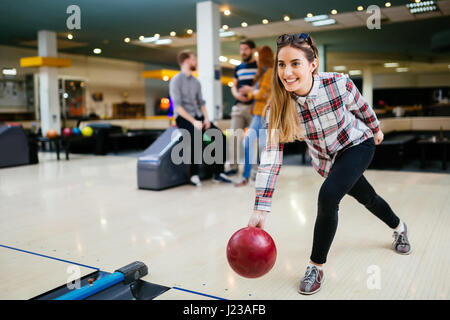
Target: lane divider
[[199, 293], [98, 269], [42, 255]]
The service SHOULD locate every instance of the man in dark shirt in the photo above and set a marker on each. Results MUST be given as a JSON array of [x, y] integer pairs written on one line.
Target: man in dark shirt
[[190, 112], [241, 115]]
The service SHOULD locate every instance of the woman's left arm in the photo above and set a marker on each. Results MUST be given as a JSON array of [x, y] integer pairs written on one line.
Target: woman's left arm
[[355, 103]]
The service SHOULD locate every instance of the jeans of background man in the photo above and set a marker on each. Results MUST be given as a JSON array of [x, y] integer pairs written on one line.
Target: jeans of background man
[[241, 118], [255, 133]]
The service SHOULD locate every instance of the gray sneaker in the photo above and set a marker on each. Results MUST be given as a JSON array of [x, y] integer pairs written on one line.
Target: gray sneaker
[[312, 281], [401, 244]]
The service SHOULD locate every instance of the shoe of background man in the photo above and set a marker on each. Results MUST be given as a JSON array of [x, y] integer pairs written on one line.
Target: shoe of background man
[[312, 281], [195, 180], [242, 182], [401, 244], [222, 177], [231, 172]]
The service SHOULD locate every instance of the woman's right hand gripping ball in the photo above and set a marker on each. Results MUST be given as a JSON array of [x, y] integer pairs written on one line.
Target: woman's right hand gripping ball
[[258, 219]]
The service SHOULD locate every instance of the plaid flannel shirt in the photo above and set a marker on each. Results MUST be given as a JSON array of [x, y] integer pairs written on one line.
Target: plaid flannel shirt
[[335, 117]]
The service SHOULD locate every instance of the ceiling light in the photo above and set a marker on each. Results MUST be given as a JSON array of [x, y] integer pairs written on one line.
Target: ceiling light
[[244, 24], [309, 15], [189, 31], [234, 62], [323, 22], [165, 78], [286, 18], [354, 72], [141, 38], [127, 39], [70, 36], [316, 18], [391, 65], [226, 34], [417, 1], [387, 4], [173, 33], [163, 41], [265, 21], [97, 50], [339, 68], [156, 35], [230, 84], [148, 40], [9, 71], [402, 69], [227, 12], [225, 27], [223, 59], [421, 7], [360, 8], [423, 10], [334, 11]]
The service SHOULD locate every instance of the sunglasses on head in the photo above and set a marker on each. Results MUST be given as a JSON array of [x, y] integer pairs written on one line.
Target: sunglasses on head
[[293, 38]]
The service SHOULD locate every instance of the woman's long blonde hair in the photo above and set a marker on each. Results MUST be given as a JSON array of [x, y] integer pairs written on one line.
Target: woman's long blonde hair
[[283, 117]]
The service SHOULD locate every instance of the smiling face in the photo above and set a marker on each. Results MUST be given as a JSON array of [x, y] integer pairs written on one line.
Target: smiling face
[[295, 71]]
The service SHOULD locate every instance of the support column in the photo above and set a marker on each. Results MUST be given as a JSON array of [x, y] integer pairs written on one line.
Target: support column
[[208, 52], [322, 58], [368, 85], [48, 84]]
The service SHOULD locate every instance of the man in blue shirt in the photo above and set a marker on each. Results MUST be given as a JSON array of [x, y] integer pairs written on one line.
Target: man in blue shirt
[[241, 115]]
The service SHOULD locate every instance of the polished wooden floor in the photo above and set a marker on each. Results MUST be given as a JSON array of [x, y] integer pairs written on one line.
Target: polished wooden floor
[[88, 210]]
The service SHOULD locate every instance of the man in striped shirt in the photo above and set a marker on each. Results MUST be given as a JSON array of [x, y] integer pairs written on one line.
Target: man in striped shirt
[[244, 74]]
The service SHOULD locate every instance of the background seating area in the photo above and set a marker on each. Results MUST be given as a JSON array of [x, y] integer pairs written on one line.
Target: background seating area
[[405, 138], [401, 141]]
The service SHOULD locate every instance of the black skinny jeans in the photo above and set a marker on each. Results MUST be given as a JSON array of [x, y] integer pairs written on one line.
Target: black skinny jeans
[[185, 124], [346, 177]]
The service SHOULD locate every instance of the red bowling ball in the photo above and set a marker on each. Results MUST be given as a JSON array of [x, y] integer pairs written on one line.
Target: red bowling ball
[[251, 252]]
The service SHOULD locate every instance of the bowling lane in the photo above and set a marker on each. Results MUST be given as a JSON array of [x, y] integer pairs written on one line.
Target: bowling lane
[[90, 210], [25, 276]]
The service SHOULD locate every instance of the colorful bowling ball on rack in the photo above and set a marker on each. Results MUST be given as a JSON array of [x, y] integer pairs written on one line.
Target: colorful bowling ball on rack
[[67, 132], [87, 131], [76, 131], [52, 134], [251, 252]]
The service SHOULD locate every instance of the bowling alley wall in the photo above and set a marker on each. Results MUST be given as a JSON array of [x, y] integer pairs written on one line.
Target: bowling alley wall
[[118, 80], [121, 80]]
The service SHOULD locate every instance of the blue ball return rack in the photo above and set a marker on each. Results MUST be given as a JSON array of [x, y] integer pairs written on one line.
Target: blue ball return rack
[[123, 284]]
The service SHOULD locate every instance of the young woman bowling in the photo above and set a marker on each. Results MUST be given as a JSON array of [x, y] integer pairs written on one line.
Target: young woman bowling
[[327, 111]]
